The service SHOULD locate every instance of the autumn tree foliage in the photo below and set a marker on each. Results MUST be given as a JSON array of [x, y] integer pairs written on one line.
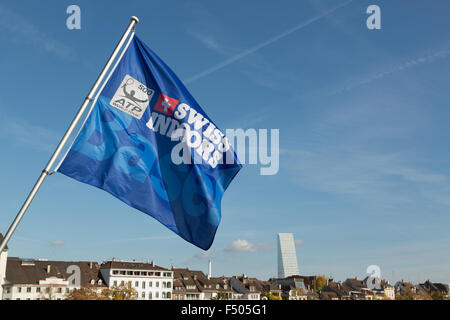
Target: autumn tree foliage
[[123, 292]]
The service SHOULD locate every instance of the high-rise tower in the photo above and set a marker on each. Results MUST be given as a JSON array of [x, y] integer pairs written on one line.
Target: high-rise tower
[[287, 257]]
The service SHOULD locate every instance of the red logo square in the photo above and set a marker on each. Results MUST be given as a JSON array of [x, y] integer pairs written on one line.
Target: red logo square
[[166, 104]]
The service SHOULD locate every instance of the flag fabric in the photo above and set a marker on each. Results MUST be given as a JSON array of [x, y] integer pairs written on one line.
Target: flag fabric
[[149, 143]]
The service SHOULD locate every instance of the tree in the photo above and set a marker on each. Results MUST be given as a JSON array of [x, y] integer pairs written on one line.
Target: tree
[[408, 294], [320, 282], [86, 293], [221, 295], [124, 292], [270, 296], [437, 295]]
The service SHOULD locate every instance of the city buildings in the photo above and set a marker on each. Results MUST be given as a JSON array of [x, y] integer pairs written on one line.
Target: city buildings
[[287, 257], [39, 279]]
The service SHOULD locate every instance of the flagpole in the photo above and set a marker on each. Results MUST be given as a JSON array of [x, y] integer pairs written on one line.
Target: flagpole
[[133, 21]]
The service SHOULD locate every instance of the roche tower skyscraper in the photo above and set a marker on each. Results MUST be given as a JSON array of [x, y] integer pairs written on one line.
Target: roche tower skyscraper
[[287, 257]]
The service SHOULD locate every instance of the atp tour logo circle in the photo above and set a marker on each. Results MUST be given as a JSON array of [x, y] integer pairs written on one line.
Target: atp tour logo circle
[[132, 97]]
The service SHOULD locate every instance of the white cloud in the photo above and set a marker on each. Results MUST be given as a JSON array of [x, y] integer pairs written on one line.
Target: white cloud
[[57, 243], [239, 246]]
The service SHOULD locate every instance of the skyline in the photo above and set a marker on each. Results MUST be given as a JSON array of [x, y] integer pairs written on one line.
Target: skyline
[[362, 115]]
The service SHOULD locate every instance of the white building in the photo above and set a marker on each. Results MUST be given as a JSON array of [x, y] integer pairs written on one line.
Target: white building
[[287, 256], [3, 260], [28, 279], [150, 281]]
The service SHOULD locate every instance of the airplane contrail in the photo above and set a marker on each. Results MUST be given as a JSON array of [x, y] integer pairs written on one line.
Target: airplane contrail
[[263, 44]]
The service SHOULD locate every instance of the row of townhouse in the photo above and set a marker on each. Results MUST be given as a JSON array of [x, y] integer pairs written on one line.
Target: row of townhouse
[[195, 285], [29, 279], [354, 289], [424, 290]]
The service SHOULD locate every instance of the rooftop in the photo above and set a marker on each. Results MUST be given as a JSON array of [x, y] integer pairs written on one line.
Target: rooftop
[[131, 265], [30, 272]]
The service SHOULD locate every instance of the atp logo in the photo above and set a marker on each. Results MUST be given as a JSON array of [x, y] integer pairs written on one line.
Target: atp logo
[[166, 104], [132, 97]]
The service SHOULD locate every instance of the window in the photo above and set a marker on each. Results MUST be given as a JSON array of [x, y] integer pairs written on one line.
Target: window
[[144, 273], [38, 289], [137, 273], [59, 290], [115, 283], [150, 284], [157, 284], [143, 284], [169, 284], [115, 272], [129, 273], [129, 284], [143, 294], [136, 284], [168, 295], [19, 289], [122, 273], [157, 294], [163, 295], [29, 289], [163, 284], [122, 283], [158, 274], [149, 296]]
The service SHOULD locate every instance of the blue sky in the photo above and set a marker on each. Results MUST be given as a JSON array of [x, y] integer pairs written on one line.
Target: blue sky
[[363, 118]]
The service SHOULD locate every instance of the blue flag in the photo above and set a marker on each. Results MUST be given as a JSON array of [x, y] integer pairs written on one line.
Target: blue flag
[[149, 143]]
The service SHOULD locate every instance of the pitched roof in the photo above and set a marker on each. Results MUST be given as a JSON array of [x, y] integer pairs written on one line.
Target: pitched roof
[[222, 282], [30, 272], [132, 265], [193, 280]]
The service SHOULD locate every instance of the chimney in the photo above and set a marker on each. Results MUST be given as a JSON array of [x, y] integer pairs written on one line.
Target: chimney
[[209, 269], [90, 265], [153, 263], [49, 268]]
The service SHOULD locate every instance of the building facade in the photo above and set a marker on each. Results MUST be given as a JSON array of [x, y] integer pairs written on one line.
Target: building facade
[[150, 281], [29, 279], [287, 256]]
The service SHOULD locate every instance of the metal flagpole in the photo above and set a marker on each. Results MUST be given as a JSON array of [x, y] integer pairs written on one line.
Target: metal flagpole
[[133, 20]]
